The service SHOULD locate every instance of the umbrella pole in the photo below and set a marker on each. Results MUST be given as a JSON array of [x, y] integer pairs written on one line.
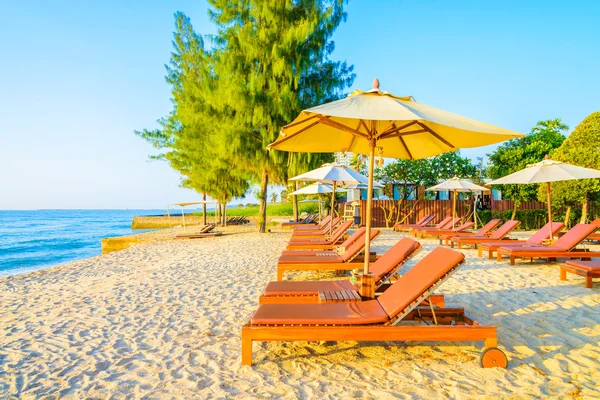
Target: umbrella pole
[[367, 288], [332, 205], [454, 209], [549, 210]]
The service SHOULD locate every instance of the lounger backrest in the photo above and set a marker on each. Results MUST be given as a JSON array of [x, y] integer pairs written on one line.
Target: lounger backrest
[[421, 277], [443, 223], [391, 260], [325, 228], [453, 221], [504, 229], [462, 227], [340, 230], [596, 222], [543, 233], [428, 219], [488, 227], [574, 236], [358, 246], [325, 221], [422, 220]]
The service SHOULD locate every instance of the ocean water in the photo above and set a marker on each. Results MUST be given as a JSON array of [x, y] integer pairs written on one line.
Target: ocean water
[[37, 239]]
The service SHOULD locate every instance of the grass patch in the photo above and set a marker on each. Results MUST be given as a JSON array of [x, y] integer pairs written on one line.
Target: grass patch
[[274, 210]]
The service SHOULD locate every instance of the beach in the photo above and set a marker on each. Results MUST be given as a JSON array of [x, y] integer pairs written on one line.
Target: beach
[[163, 320]]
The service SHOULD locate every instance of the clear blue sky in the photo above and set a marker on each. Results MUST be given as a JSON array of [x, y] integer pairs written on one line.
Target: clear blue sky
[[78, 77]]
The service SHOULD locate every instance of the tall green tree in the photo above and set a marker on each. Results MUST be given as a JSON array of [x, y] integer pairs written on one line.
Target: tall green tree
[[516, 154], [581, 148], [273, 62]]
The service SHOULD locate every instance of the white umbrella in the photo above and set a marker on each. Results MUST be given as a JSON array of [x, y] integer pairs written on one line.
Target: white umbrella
[[316, 188], [334, 175], [364, 186], [456, 185], [547, 171], [399, 127]]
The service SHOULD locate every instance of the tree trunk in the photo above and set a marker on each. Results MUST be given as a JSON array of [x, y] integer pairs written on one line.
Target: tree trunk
[[218, 213], [295, 203], [567, 216], [262, 213], [224, 214], [514, 214], [584, 207], [204, 209]]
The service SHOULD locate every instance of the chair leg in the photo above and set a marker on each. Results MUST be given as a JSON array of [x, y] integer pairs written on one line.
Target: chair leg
[[563, 274], [280, 272], [588, 282], [246, 351]]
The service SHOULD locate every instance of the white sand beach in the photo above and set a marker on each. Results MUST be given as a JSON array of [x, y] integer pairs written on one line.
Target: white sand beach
[[162, 320]]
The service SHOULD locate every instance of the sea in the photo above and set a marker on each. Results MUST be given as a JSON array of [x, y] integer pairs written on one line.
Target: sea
[[37, 239]]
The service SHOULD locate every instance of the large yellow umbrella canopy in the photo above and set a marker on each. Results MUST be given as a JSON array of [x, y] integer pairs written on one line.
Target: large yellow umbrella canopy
[[378, 123]]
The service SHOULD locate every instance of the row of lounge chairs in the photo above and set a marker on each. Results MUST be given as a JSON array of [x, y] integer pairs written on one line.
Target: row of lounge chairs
[[237, 220], [490, 241], [405, 309]]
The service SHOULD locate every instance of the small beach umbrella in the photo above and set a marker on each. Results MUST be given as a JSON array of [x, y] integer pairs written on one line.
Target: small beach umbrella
[[334, 175], [317, 188], [456, 185], [547, 171], [378, 123]]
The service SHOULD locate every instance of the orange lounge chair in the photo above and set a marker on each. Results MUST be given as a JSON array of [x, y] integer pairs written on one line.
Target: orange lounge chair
[[333, 250], [390, 317], [497, 235], [587, 269], [564, 247], [439, 232], [447, 225], [594, 236], [320, 243], [537, 238], [318, 233], [204, 232], [422, 222], [313, 227], [387, 266], [310, 219], [484, 231], [329, 261]]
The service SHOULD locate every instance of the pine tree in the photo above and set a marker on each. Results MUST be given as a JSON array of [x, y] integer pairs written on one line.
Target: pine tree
[[273, 61]]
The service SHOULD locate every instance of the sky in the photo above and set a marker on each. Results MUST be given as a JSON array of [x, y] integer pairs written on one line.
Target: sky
[[78, 77]]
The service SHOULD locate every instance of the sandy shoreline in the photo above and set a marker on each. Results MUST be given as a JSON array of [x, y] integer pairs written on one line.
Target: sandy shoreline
[[162, 320]]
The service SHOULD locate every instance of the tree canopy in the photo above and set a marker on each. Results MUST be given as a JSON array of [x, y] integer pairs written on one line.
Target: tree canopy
[[581, 148], [269, 61], [516, 154]]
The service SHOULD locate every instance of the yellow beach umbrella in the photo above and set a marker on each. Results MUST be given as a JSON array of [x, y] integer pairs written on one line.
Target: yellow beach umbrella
[[378, 123]]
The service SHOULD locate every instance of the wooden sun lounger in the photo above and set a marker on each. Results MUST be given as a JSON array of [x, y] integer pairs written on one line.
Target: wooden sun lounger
[[423, 230], [387, 266], [587, 269], [537, 239], [347, 261], [310, 219], [320, 243], [312, 227], [344, 245], [390, 317], [422, 222], [316, 233], [439, 232], [205, 231], [498, 234], [484, 231], [564, 247], [594, 236]]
